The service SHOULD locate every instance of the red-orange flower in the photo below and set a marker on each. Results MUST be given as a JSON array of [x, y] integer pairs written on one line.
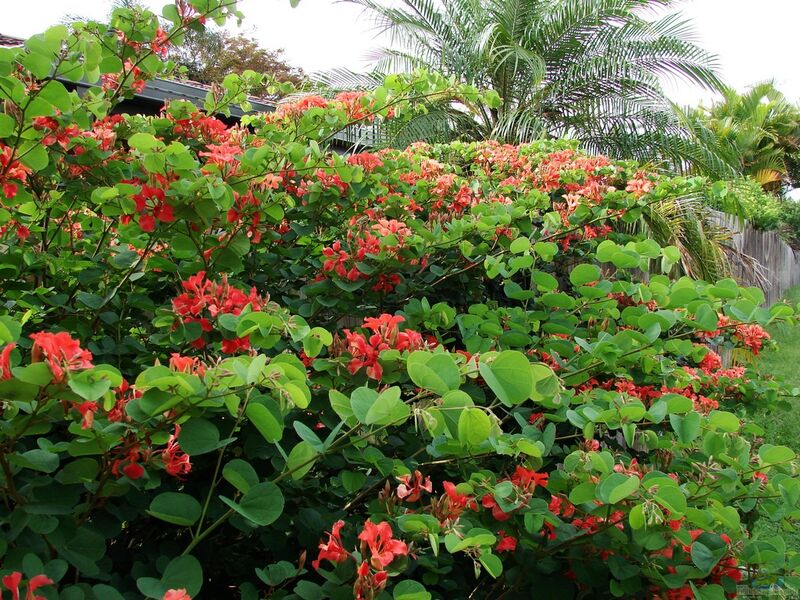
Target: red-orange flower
[[11, 583], [332, 550], [176, 461], [382, 545], [62, 353], [5, 361], [180, 594], [507, 543]]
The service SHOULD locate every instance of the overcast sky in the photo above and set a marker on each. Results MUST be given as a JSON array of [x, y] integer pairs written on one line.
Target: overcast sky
[[754, 39]]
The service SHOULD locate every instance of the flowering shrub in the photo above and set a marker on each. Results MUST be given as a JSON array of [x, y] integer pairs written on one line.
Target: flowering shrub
[[237, 364]]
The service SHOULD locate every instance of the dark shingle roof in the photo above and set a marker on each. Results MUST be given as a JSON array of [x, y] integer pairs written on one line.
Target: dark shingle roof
[[7, 41]]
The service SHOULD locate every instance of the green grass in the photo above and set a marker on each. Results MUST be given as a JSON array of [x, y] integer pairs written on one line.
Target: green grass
[[783, 362], [783, 426]]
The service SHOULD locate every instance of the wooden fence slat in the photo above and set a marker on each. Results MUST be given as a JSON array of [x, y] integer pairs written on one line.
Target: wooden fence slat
[[778, 265]]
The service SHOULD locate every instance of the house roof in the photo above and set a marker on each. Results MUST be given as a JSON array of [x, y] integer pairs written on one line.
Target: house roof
[[158, 91], [7, 41]]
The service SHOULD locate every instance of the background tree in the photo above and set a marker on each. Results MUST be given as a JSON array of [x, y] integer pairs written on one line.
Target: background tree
[[756, 134], [585, 69], [209, 55]]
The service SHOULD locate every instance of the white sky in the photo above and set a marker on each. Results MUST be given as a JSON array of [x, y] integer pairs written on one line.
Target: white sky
[[754, 39]]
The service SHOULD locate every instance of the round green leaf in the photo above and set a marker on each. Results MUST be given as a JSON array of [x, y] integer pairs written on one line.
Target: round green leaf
[[176, 508], [583, 274], [199, 436], [262, 504], [509, 376], [474, 427], [410, 590], [183, 572]]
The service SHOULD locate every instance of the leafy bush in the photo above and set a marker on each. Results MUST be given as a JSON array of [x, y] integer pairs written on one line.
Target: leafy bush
[[790, 222], [761, 209], [236, 364]]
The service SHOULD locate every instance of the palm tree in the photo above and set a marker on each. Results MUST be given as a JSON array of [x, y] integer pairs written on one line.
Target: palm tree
[[755, 134], [587, 69]]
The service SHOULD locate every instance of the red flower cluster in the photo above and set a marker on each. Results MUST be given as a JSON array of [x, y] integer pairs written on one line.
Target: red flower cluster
[[224, 155], [197, 125], [131, 74], [383, 548], [386, 335], [640, 185], [5, 362], [161, 43], [379, 549], [11, 171], [368, 161], [525, 481], [151, 204], [297, 108], [710, 363], [379, 235], [55, 133], [186, 364], [369, 584], [176, 461], [180, 594], [129, 463], [62, 353], [12, 582], [727, 567], [751, 336], [453, 503], [332, 550], [204, 300], [507, 543]]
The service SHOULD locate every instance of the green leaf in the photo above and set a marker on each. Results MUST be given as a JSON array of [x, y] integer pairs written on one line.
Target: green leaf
[[262, 504], [410, 590], [509, 376], [616, 487], [7, 125], [686, 427], [88, 385], [9, 330], [36, 460], [361, 400], [301, 459], [388, 409], [583, 274], [474, 427], [636, 517], [492, 564], [438, 372], [176, 508], [56, 94], [353, 481], [268, 425], [773, 455], [199, 436], [35, 156], [240, 474], [183, 572], [520, 245], [82, 470], [724, 420], [705, 558], [144, 142]]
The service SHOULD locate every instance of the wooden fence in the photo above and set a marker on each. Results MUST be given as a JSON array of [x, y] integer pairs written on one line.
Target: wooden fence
[[761, 258]]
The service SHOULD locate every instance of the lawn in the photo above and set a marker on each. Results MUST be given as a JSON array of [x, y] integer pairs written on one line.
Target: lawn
[[783, 426]]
